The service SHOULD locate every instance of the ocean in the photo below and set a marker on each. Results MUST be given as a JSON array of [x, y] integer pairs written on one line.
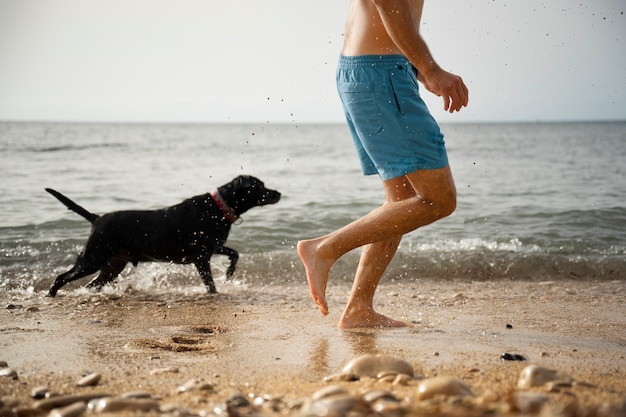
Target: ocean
[[536, 201]]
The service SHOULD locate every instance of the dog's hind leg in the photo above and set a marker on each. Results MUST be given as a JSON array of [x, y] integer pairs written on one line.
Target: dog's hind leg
[[79, 270], [232, 254], [204, 268], [108, 273]]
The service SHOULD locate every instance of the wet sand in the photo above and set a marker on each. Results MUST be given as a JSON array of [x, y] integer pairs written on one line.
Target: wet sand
[[273, 341]]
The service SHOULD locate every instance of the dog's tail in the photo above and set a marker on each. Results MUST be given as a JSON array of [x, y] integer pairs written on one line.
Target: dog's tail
[[73, 206]]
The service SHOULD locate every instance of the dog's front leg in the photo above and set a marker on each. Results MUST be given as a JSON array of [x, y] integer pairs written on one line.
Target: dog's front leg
[[81, 269], [233, 255], [204, 268]]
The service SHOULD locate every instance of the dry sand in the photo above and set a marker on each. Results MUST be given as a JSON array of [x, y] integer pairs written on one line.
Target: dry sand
[[273, 341]]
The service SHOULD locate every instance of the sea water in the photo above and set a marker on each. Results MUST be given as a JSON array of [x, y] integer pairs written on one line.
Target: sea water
[[544, 201]]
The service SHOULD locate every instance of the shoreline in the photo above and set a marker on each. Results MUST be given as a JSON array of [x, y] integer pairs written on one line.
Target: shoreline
[[272, 341]]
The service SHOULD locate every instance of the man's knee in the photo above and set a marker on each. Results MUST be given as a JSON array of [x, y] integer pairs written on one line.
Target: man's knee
[[448, 207], [441, 205]]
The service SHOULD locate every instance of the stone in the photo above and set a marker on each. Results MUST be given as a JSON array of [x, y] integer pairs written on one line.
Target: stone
[[335, 406], [329, 392], [536, 376], [195, 385], [73, 410], [389, 408], [116, 405], [22, 411], [442, 385], [175, 410], [402, 379], [237, 401], [89, 380], [136, 395], [8, 373], [167, 370], [341, 377], [39, 393], [371, 365], [529, 402], [512, 357], [64, 400], [377, 395]]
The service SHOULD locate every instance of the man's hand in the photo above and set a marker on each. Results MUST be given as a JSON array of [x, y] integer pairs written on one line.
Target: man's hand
[[449, 86]]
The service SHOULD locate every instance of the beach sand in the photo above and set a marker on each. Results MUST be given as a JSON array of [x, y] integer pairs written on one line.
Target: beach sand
[[271, 342]]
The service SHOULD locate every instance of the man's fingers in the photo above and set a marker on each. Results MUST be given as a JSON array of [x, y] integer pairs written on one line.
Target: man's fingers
[[446, 102], [459, 96]]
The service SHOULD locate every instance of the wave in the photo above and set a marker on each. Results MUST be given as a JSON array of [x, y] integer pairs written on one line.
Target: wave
[[34, 267]]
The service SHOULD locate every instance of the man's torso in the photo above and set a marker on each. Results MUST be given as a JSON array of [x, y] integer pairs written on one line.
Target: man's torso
[[365, 33]]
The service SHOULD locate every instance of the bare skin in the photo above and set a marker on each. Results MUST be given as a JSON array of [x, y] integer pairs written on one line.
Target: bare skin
[[385, 27], [413, 200]]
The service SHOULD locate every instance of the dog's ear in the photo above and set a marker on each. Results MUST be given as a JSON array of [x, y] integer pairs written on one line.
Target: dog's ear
[[245, 181]]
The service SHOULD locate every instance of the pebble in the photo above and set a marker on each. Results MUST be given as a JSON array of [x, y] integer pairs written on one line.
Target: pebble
[[369, 397], [389, 408], [402, 379], [237, 401], [174, 410], [8, 373], [89, 380], [387, 379], [442, 385], [268, 402], [72, 410], [329, 392], [21, 411], [372, 365], [378, 395], [512, 357], [195, 385], [337, 405], [557, 386], [39, 392], [64, 400], [335, 400], [116, 405], [344, 376], [136, 395], [529, 402], [536, 376], [169, 369]]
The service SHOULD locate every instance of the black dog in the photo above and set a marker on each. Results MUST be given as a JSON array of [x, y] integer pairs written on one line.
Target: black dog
[[189, 232]]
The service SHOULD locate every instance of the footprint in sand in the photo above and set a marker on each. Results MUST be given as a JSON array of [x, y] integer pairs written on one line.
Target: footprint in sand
[[181, 339]]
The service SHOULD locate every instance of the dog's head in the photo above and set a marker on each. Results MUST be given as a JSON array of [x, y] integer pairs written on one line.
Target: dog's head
[[245, 192]]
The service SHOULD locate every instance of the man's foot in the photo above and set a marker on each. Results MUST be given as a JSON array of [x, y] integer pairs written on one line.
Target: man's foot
[[317, 271], [369, 318]]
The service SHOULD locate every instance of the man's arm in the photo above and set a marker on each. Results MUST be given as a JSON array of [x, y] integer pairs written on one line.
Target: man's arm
[[401, 19]]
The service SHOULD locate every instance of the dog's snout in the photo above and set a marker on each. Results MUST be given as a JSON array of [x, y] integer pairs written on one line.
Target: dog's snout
[[271, 196]]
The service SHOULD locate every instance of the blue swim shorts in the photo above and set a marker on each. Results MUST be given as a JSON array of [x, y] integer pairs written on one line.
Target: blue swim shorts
[[393, 131]]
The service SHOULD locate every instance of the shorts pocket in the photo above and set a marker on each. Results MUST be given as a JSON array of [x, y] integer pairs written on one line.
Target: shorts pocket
[[405, 90], [360, 103]]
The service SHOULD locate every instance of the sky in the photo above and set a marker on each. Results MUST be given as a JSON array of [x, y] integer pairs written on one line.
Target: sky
[[274, 60]]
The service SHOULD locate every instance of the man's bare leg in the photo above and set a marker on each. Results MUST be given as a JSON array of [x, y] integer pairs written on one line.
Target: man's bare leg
[[317, 270], [433, 197], [375, 258], [359, 311]]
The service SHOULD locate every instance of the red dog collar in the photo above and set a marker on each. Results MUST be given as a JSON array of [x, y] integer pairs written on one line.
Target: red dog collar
[[228, 212]]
